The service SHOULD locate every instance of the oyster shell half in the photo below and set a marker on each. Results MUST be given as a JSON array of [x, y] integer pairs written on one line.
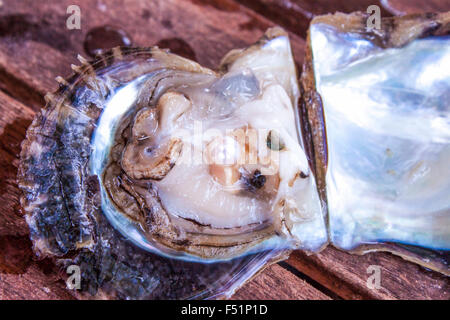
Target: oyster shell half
[[385, 100], [196, 163]]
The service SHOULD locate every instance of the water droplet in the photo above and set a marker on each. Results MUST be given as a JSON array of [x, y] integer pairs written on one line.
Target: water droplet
[[101, 39]]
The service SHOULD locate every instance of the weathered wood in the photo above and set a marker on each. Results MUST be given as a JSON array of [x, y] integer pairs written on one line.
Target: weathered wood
[[32, 285], [295, 15], [348, 275], [267, 285], [14, 120], [36, 46], [400, 7]]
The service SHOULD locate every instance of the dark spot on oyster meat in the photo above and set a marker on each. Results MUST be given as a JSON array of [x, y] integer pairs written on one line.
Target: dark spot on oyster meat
[[15, 254], [258, 180], [100, 39], [178, 46]]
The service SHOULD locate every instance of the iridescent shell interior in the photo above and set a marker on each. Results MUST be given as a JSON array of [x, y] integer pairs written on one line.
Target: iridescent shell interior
[[385, 99]]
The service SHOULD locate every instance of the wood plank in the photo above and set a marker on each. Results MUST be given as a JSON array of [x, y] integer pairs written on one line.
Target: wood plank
[[267, 285], [36, 46], [295, 15], [32, 285], [347, 275], [13, 123], [400, 7]]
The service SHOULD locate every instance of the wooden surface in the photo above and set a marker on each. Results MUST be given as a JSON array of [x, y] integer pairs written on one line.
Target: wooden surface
[[36, 46]]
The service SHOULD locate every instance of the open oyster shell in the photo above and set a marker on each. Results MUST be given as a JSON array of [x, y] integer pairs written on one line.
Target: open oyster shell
[[164, 179], [375, 108], [209, 164], [111, 180]]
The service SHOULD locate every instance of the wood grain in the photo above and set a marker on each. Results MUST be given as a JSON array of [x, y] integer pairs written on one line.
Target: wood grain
[[13, 124], [400, 7], [32, 285], [347, 275], [28, 56], [35, 47], [267, 286], [295, 15]]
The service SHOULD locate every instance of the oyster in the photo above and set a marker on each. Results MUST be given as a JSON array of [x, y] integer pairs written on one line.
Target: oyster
[[210, 168], [164, 179], [201, 172], [384, 96]]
